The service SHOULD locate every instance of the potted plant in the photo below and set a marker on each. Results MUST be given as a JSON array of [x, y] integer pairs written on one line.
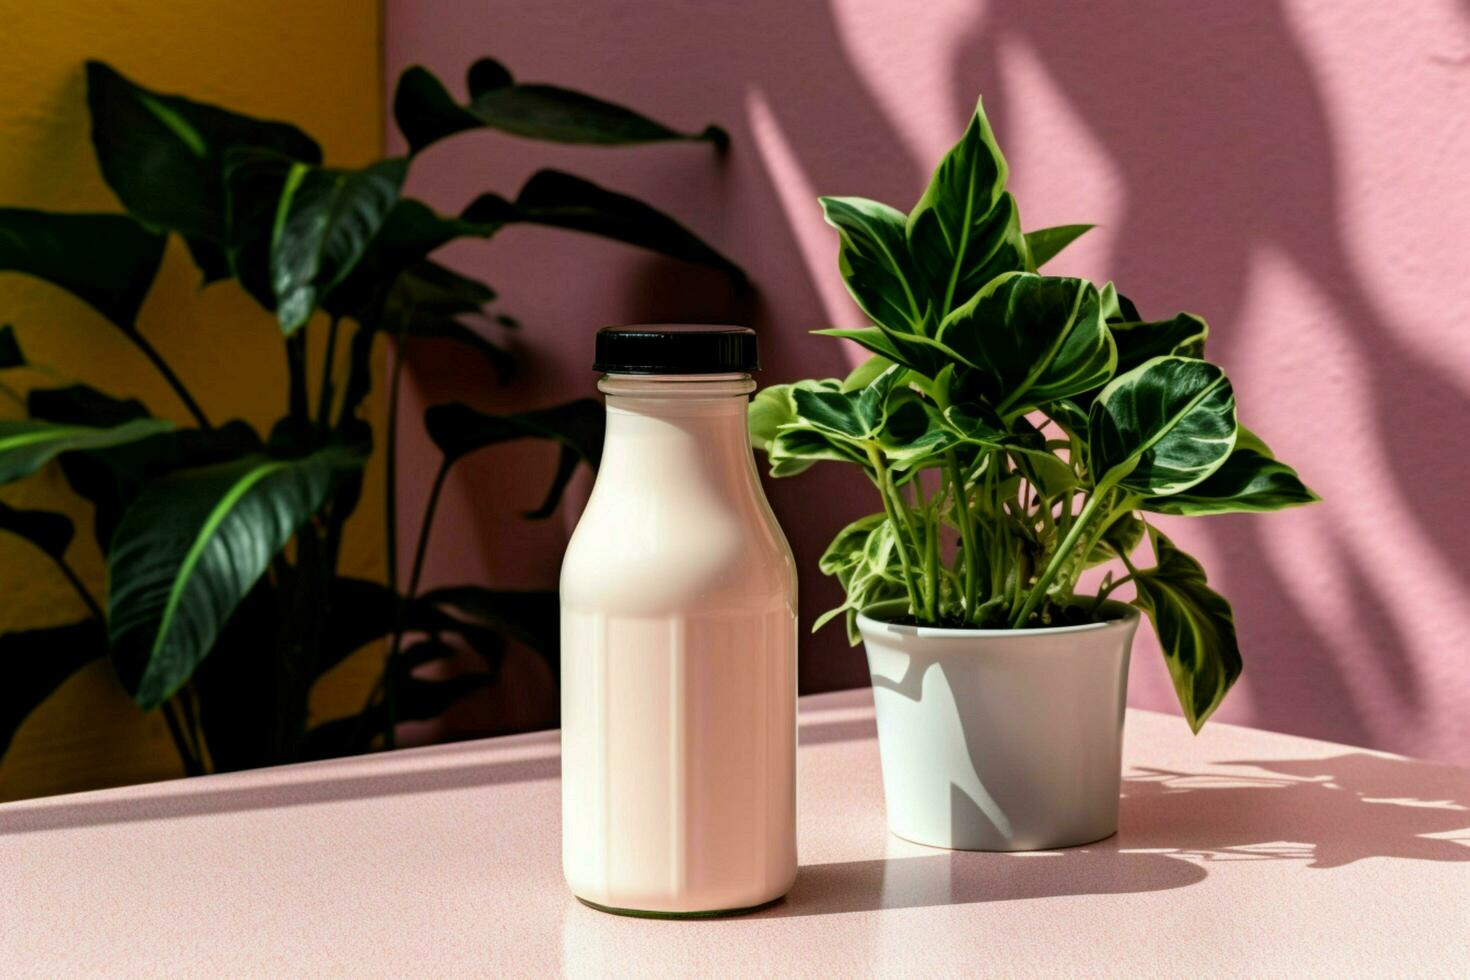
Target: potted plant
[[227, 599], [1020, 429]]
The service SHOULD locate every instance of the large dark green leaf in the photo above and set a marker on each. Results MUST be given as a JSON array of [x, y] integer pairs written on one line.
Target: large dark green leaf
[[409, 233], [254, 181], [10, 354], [1033, 339], [426, 112], [1137, 342], [1162, 427], [27, 445], [1044, 243], [1195, 626], [34, 664], [576, 426], [873, 257], [1246, 481], [46, 530], [964, 231], [164, 156], [106, 260], [189, 550], [561, 200], [325, 222], [110, 479]]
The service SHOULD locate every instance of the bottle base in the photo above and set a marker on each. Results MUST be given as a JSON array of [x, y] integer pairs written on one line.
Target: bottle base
[[653, 914]]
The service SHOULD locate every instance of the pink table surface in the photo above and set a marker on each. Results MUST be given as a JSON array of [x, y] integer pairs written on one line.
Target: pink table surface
[[1241, 853]]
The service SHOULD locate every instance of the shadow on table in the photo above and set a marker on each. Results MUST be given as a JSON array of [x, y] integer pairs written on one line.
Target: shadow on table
[[446, 767], [1174, 825]]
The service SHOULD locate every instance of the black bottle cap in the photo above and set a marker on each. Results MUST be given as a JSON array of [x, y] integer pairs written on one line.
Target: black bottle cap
[[676, 348]]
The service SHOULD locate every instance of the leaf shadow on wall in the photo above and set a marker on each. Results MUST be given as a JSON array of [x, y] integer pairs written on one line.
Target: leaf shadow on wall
[[1224, 155], [1174, 827]]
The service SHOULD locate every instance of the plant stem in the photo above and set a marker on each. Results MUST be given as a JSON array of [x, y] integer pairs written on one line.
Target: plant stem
[[1104, 593], [297, 405], [882, 481], [93, 606], [422, 547], [962, 517], [150, 352], [175, 729], [390, 466], [1038, 591], [415, 574], [324, 398]]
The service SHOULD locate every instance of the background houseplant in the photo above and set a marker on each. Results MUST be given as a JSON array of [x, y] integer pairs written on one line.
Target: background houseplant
[[225, 604], [1019, 429]]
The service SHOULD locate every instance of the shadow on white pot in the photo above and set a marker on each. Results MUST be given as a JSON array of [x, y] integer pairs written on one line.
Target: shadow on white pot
[[1000, 740]]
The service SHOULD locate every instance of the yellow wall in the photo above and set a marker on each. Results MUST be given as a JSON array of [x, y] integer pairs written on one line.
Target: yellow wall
[[312, 62]]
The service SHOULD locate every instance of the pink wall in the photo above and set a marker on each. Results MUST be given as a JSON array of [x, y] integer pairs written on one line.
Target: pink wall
[[1294, 171]]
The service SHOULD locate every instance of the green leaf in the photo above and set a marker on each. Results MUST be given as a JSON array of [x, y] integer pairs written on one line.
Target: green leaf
[[108, 261], [1184, 335], [862, 375], [189, 550], [774, 407], [46, 530], [10, 354], [854, 415], [873, 257], [1246, 482], [426, 112], [111, 478], [1049, 475], [254, 181], [1117, 307], [848, 546], [399, 251], [920, 354], [1033, 339], [324, 223], [916, 434], [965, 231], [1045, 243], [577, 426], [1246, 439], [164, 156], [36, 662], [1162, 427], [1121, 538], [797, 447], [27, 445], [561, 200], [1195, 626]]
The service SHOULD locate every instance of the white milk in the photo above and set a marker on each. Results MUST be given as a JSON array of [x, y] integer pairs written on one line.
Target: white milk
[[678, 633]]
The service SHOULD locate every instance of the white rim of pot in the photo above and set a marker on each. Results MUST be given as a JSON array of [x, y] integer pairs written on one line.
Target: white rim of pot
[[1126, 615]]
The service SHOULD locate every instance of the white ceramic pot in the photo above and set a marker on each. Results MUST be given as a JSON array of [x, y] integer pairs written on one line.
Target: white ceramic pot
[[1000, 740]]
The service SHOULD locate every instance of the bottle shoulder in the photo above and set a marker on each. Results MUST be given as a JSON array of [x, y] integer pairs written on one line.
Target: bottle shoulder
[[664, 547]]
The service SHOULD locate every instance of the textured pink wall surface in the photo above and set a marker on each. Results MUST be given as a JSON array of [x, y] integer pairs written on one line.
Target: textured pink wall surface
[[1294, 171]]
